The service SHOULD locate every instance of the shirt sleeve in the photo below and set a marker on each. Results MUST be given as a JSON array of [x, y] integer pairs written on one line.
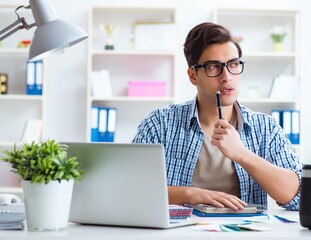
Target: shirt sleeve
[[283, 155], [148, 130]]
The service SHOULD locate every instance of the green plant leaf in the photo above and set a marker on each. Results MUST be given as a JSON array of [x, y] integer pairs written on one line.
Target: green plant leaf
[[43, 162]]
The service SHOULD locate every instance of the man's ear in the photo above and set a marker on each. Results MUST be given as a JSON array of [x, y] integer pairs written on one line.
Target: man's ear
[[192, 76]]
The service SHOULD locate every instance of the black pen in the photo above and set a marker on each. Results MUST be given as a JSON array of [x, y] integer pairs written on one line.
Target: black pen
[[218, 104]]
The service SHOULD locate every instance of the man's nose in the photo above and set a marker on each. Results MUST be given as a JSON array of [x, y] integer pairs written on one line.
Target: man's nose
[[225, 75]]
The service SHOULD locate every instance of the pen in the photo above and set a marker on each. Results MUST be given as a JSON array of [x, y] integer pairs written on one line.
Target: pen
[[218, 104]]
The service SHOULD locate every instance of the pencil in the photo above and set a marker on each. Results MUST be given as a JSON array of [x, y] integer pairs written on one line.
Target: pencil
[[218, 104]]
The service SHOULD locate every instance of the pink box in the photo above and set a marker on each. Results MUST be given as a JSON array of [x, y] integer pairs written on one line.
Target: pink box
[[146, 89]]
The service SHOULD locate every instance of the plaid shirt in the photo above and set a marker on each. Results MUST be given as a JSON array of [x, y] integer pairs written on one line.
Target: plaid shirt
[[177, 128]]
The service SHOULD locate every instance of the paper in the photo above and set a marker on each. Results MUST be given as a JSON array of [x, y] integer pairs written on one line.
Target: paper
[[233, 227], [287, 218]]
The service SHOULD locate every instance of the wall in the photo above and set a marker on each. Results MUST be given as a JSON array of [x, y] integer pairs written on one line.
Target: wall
[[66, 73]]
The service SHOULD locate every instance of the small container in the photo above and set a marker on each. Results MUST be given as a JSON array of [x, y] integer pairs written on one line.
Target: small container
[[305, 197], [146, 89]]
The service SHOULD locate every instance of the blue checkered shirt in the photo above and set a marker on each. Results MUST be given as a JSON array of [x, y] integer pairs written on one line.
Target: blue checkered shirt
[[177, 129]]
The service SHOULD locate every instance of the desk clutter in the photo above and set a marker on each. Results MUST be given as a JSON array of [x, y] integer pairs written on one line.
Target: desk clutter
[[12, 216], [260, 223], [12, 220], [179, 212]]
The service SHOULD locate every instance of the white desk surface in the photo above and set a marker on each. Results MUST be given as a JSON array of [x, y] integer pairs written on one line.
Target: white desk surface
[[279, 230]]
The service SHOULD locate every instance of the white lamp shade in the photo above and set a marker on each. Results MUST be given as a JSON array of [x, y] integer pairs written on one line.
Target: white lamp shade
[[54, 36]]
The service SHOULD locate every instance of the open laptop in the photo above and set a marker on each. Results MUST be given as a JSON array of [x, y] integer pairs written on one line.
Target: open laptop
[[122, 185]]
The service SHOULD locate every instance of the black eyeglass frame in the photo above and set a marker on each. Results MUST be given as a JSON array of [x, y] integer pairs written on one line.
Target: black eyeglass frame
[[225, 64]]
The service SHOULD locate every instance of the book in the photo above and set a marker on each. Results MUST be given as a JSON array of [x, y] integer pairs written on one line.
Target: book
[[284, 87], [206, 208]]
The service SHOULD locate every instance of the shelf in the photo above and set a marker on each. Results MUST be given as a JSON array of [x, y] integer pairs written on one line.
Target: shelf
[[17, 107], [14, 51], [133, 99], [125, 63], [265, 66], [133, 53], [21, 97], [11, 190], [271, 54], [269, 101]]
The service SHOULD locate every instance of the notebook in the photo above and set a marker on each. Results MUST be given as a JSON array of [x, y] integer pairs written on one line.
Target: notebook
[[123, 185], [206, 208]]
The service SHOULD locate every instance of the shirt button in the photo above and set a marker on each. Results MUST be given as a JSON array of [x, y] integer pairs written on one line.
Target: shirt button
[[244, 193]]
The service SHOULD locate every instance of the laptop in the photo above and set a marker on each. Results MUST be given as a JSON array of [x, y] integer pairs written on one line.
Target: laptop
[[122, 185]]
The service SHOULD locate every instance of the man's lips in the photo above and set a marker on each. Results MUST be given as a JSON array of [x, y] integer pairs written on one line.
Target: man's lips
[[227, 90]]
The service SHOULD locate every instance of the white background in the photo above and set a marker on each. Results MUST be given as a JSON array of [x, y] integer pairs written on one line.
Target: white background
[[66, 73]]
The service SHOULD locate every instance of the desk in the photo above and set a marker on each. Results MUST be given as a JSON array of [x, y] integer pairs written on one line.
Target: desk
[[80, 232]]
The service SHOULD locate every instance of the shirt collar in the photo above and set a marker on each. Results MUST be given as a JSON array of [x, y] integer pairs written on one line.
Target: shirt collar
[[194, 113], [242, 119]]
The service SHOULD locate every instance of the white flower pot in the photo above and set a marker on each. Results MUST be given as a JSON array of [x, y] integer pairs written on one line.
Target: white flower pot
[[47, 206]]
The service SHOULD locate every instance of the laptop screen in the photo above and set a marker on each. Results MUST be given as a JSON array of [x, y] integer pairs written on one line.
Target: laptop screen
[[123, 184]]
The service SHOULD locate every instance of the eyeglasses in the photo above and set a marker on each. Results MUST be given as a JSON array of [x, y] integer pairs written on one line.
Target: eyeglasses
[[214, 68]]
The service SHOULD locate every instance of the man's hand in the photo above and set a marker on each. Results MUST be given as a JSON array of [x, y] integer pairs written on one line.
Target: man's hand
[[228, 141], [194, 195]]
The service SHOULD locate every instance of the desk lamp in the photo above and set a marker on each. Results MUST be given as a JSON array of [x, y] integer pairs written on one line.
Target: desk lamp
[[52, 34]]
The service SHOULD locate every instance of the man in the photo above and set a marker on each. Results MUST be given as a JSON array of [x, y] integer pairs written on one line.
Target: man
[[229, 161]]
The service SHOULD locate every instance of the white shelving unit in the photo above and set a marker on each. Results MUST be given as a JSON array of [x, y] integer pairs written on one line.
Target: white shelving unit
[[125, 63], [16, 106], [263, 64]]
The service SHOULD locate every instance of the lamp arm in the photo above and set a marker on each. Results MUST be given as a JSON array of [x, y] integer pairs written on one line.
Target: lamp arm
[[4, 33]]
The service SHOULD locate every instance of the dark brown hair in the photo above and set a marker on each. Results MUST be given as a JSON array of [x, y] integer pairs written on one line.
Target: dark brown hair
[[204, 35]]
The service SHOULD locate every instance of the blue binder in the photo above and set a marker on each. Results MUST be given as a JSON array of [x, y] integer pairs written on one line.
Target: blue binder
[[295, 130], [289, 120], [111, 124], [94, 124], [102, 124], [107, 124], [34, 78], [277, 115]]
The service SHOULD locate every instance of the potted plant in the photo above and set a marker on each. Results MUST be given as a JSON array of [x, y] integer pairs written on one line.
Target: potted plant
[[47, 176], [277, 35]]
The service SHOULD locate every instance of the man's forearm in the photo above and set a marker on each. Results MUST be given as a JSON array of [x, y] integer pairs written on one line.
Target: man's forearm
[[280, 183]]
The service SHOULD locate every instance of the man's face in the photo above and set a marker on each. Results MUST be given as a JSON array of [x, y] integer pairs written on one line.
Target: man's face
[[227, 83]]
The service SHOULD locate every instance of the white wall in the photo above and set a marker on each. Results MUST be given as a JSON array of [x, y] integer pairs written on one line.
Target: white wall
[[66, 73]]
